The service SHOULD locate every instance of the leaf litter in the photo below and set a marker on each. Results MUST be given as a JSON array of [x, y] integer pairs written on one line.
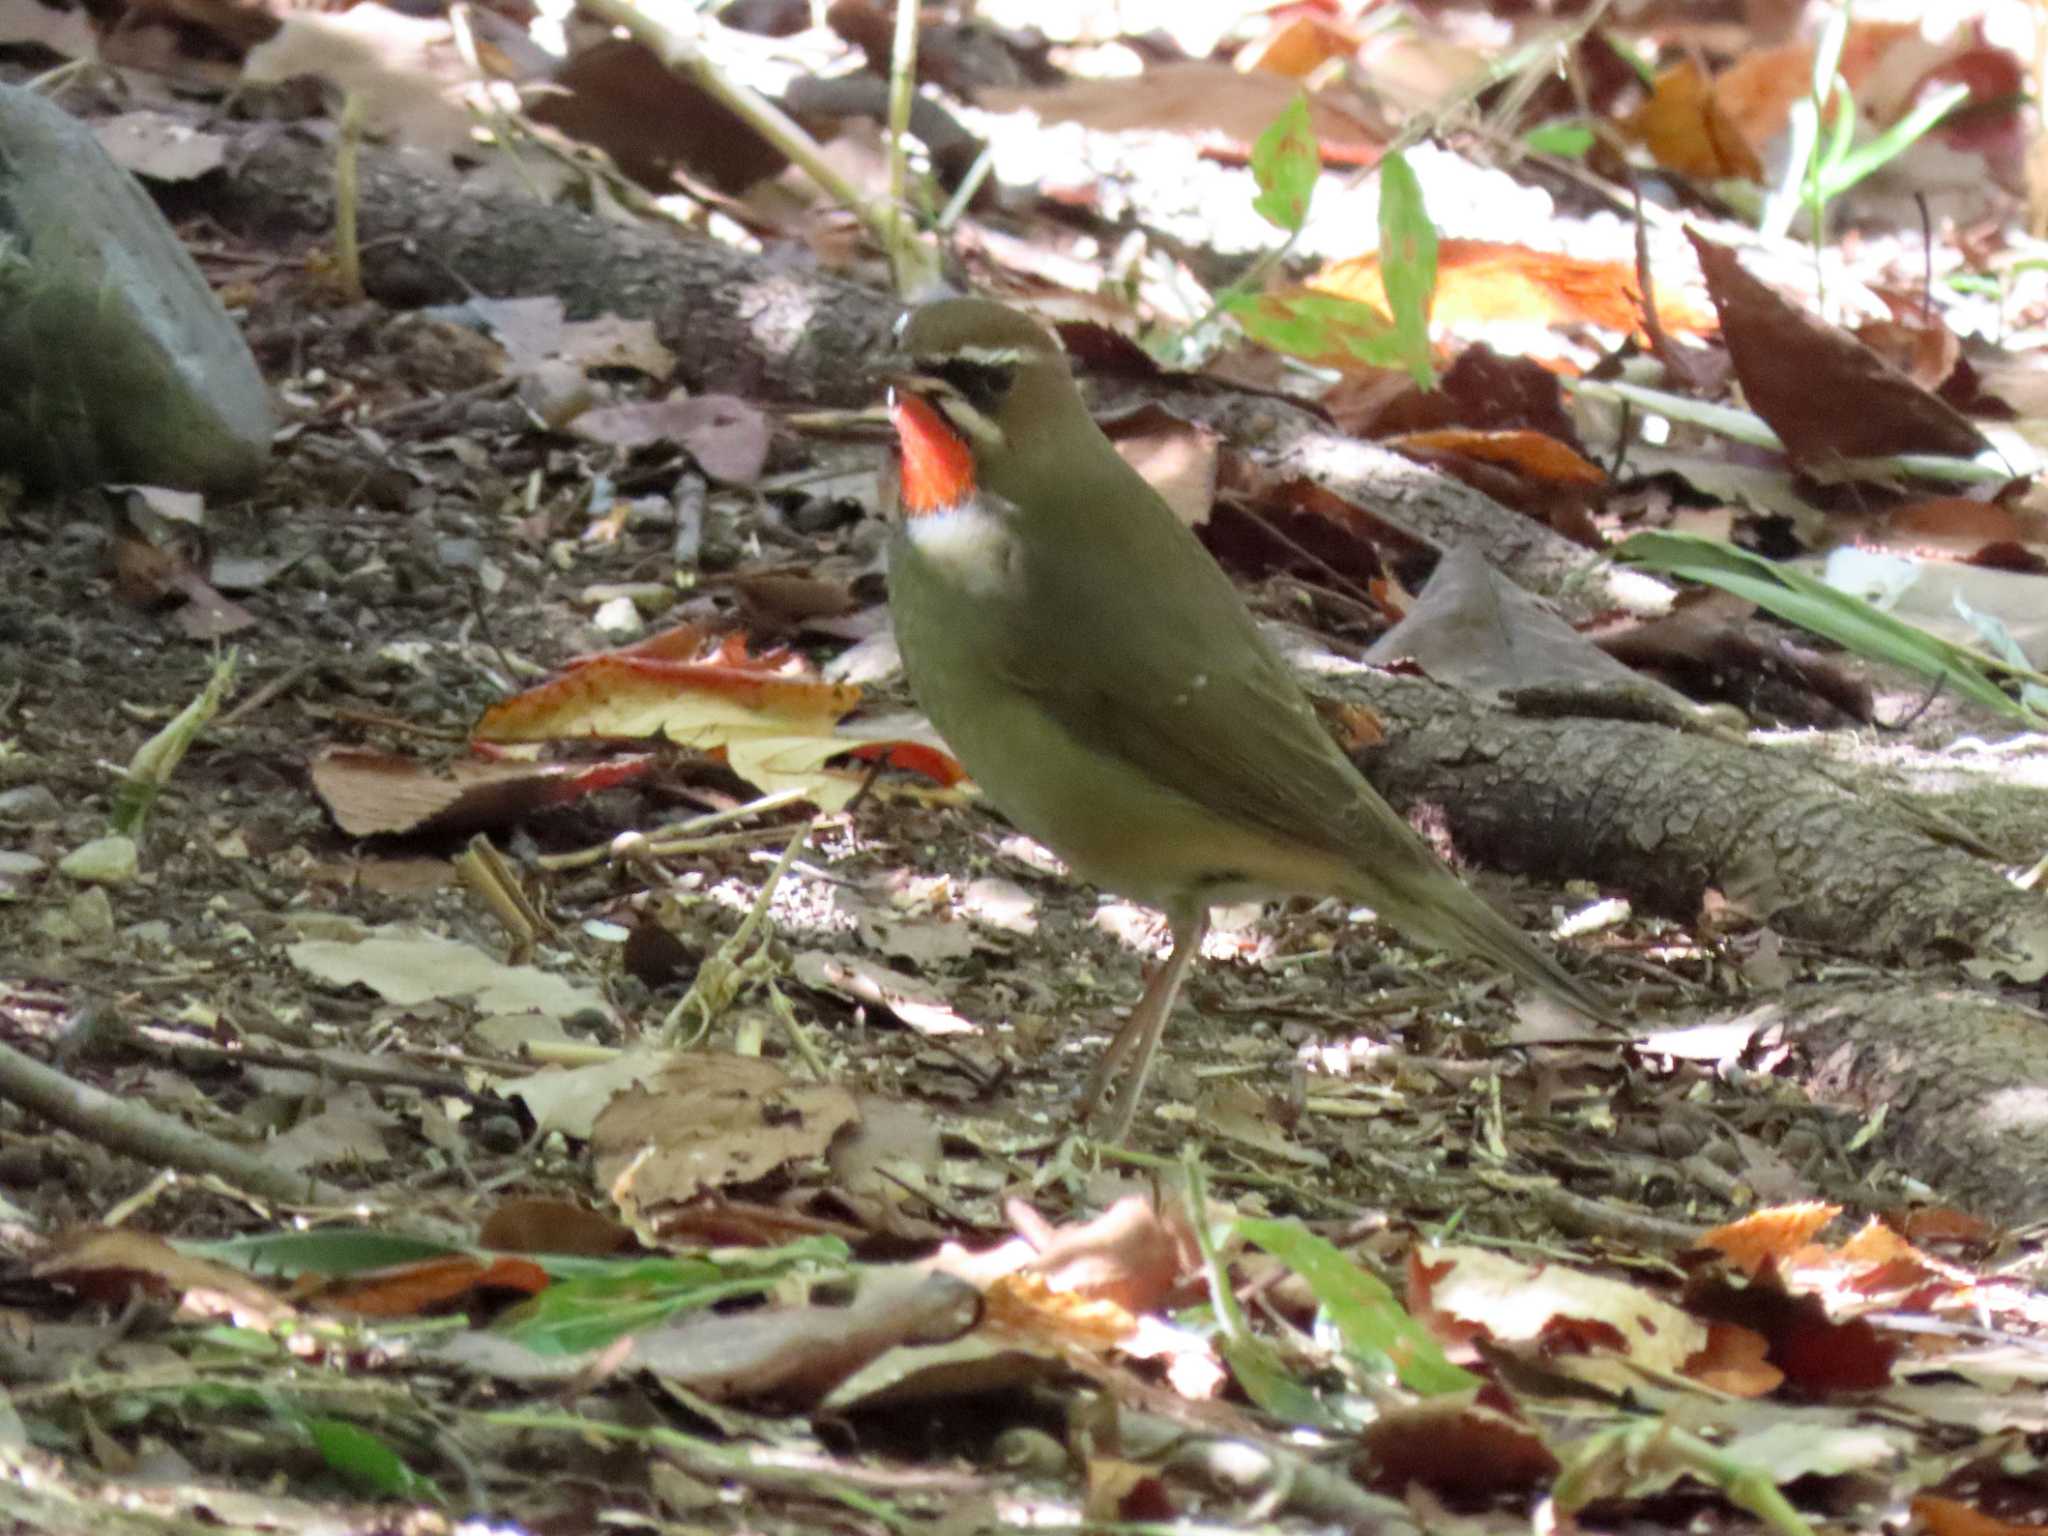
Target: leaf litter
[[763, 1297]]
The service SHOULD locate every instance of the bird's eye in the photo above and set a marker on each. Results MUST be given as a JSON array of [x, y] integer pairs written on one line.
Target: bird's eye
[[983, 385]]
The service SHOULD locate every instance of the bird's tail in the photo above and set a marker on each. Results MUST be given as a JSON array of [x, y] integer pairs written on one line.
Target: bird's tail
[[1429, 902]]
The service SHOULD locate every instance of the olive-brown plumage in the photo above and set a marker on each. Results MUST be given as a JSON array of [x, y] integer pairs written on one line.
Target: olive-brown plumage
[[1097, 674]]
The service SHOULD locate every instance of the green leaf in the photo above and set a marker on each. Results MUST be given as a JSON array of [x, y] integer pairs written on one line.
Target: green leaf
[[1408, 264], [1843, 170], [1644, 66], [1849, 621], [1318, 327], [1366, 1314], [590, 1311], [1568, 141], [1286, 162], [366, 1461], [1841, 136], [329, 1251], [1267, 1382]]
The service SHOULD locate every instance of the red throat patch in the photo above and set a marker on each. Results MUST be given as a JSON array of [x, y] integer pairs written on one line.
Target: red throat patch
[[937, 464]]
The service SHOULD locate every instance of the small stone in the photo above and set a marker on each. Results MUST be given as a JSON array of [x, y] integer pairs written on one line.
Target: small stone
[[103, 861], [617, 617], [92, 911], [53, 924], [29, 802], [121, 364], [17, 873]]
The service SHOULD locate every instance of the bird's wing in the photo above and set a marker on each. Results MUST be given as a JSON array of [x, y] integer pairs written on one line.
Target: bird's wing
[[1171, 674], [1135, 643]]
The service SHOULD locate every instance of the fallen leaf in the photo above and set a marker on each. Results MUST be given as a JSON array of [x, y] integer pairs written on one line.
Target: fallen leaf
[[1688, 129], [725, 435], [160, 147], [406, 968], [1484, 282], [375, 793], [113, 1264], [774, 725], [707, 1121], [1824, 393], [1224, 110]]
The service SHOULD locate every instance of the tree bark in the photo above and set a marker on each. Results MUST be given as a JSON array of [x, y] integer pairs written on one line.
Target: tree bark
[[1665, 816], [1959, 1076]]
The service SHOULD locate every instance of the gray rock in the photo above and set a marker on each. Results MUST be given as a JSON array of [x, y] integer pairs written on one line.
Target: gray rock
[[118, 362]]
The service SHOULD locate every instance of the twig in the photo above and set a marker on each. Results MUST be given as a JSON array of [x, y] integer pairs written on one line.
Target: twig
[[135, 1130], [663, 841], [262, 696]]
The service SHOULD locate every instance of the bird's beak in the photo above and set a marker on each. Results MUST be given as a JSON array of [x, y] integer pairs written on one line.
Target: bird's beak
[[908, 381]]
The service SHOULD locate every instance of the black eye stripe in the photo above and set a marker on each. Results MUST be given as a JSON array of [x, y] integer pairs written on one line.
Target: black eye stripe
[[981, 385]]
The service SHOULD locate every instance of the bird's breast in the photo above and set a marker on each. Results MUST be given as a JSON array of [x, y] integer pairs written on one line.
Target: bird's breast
[[971, 547]]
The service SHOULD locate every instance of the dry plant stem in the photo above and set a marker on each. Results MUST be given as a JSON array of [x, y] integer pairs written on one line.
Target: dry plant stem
[[282, 683], [188, 1055], [799, 1037], [569, 1053], [1602, 1218], [348, 248], [665, 839], [492, 881], [683, 847], [728, 969], [51, 81], [682, 54], [902, 244], [137, 1131]]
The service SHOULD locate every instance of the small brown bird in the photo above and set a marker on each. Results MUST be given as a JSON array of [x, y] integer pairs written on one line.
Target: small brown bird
[[1096, 672]]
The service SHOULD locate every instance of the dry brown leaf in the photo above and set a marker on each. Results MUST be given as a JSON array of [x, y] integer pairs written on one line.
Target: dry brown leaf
[[375, 793], [1532, 453], [1769, 1237], [405, 74], [773, 724], [111, 1264], [1736, 1360], [1131, 1254], [432, 1285], [1586, 1324], [1687, 129], [160, 147], [532, 1224], [707, 1121], [1461, 1450], [1952, 1517], [1824, 393], [1296, 45], [917, 1003], [652, 121], [725, 435]]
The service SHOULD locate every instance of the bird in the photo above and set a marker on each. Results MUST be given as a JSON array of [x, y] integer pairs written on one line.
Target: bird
[[1098, 676]]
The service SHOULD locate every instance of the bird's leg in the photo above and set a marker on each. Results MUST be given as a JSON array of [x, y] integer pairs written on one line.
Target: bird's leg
[[1138, 1040]]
